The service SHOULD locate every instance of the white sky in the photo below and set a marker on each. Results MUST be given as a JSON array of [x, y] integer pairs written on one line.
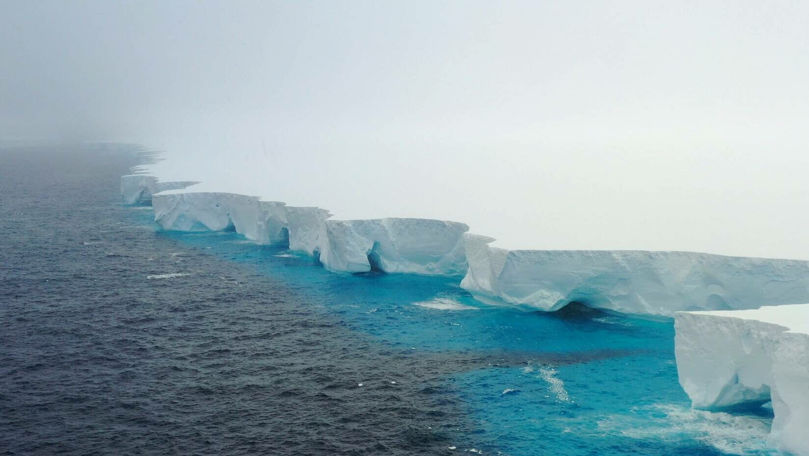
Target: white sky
[[559, 125]]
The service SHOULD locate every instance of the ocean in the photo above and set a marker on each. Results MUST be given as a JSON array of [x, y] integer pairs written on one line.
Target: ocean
[[119, 338]]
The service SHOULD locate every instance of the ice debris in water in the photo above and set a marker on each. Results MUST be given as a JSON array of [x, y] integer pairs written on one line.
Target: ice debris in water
[[167, 276]]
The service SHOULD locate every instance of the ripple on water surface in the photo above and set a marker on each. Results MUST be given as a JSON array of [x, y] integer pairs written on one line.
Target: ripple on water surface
[[119, 338]]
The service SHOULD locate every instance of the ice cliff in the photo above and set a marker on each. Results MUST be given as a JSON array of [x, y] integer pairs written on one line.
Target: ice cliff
[[724, 358], [139, 188], [404, 245], [748, 357], [394, 245], [264, 222], [639, 282]]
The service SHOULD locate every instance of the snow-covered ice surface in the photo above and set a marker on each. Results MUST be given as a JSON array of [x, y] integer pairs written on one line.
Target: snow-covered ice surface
[[264, 222], [749, 357], [395, 245], [641, 282], [658, 418], [656, 283], [139, 188]]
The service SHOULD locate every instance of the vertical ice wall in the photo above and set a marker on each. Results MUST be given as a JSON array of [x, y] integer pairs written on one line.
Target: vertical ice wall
[[419, 246], [392, 245], [657, 283], [139, 188], [732, 358], [724, 358], [306, 228]]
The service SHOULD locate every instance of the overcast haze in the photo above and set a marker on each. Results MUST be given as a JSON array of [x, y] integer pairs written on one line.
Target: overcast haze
[[631, 125]]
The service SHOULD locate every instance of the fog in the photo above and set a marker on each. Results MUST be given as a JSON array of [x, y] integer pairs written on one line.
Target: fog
[[554, 125]]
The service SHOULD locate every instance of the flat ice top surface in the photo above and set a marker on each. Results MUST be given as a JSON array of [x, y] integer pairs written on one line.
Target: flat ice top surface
[[795, 317]]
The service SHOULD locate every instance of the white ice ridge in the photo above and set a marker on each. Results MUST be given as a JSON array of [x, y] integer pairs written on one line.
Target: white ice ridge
[[639, 282], [394, 245], [730, 358], [139, 188], [264, 222]]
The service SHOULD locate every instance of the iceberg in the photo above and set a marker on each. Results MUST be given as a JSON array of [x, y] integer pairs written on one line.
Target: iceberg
[[393, 245], [306, 227], [749, 357], [261, 221], [264, 222], [638, 282], [725, 356], [197, 211], [139, 188]]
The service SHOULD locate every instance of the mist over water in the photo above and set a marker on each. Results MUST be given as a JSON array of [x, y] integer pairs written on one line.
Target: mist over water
[[549, 125], [606, 125]]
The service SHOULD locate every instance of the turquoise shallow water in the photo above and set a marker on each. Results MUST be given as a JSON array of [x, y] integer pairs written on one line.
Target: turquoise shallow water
[[575, 382]]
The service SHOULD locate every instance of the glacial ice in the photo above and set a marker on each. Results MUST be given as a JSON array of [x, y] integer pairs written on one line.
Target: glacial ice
[[639, 282], [732, 358], [724, 358], [197, 211], [394, 245], [404, 245], [261, 221], [139, 188], [306, 227]]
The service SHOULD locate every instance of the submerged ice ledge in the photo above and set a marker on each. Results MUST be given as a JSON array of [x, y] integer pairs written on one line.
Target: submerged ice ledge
[[748, 357], [638, 282]]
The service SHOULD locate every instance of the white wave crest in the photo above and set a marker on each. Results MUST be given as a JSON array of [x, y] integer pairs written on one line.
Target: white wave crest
[[557, 386], [167, 276], [444, 304], [728, 433]]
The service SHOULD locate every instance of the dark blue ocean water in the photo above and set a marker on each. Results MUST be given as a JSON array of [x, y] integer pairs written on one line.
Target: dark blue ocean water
[[117, 338]]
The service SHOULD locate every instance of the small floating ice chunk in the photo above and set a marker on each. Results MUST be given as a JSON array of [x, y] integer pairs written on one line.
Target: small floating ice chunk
[[167, 276], [444, 304]]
